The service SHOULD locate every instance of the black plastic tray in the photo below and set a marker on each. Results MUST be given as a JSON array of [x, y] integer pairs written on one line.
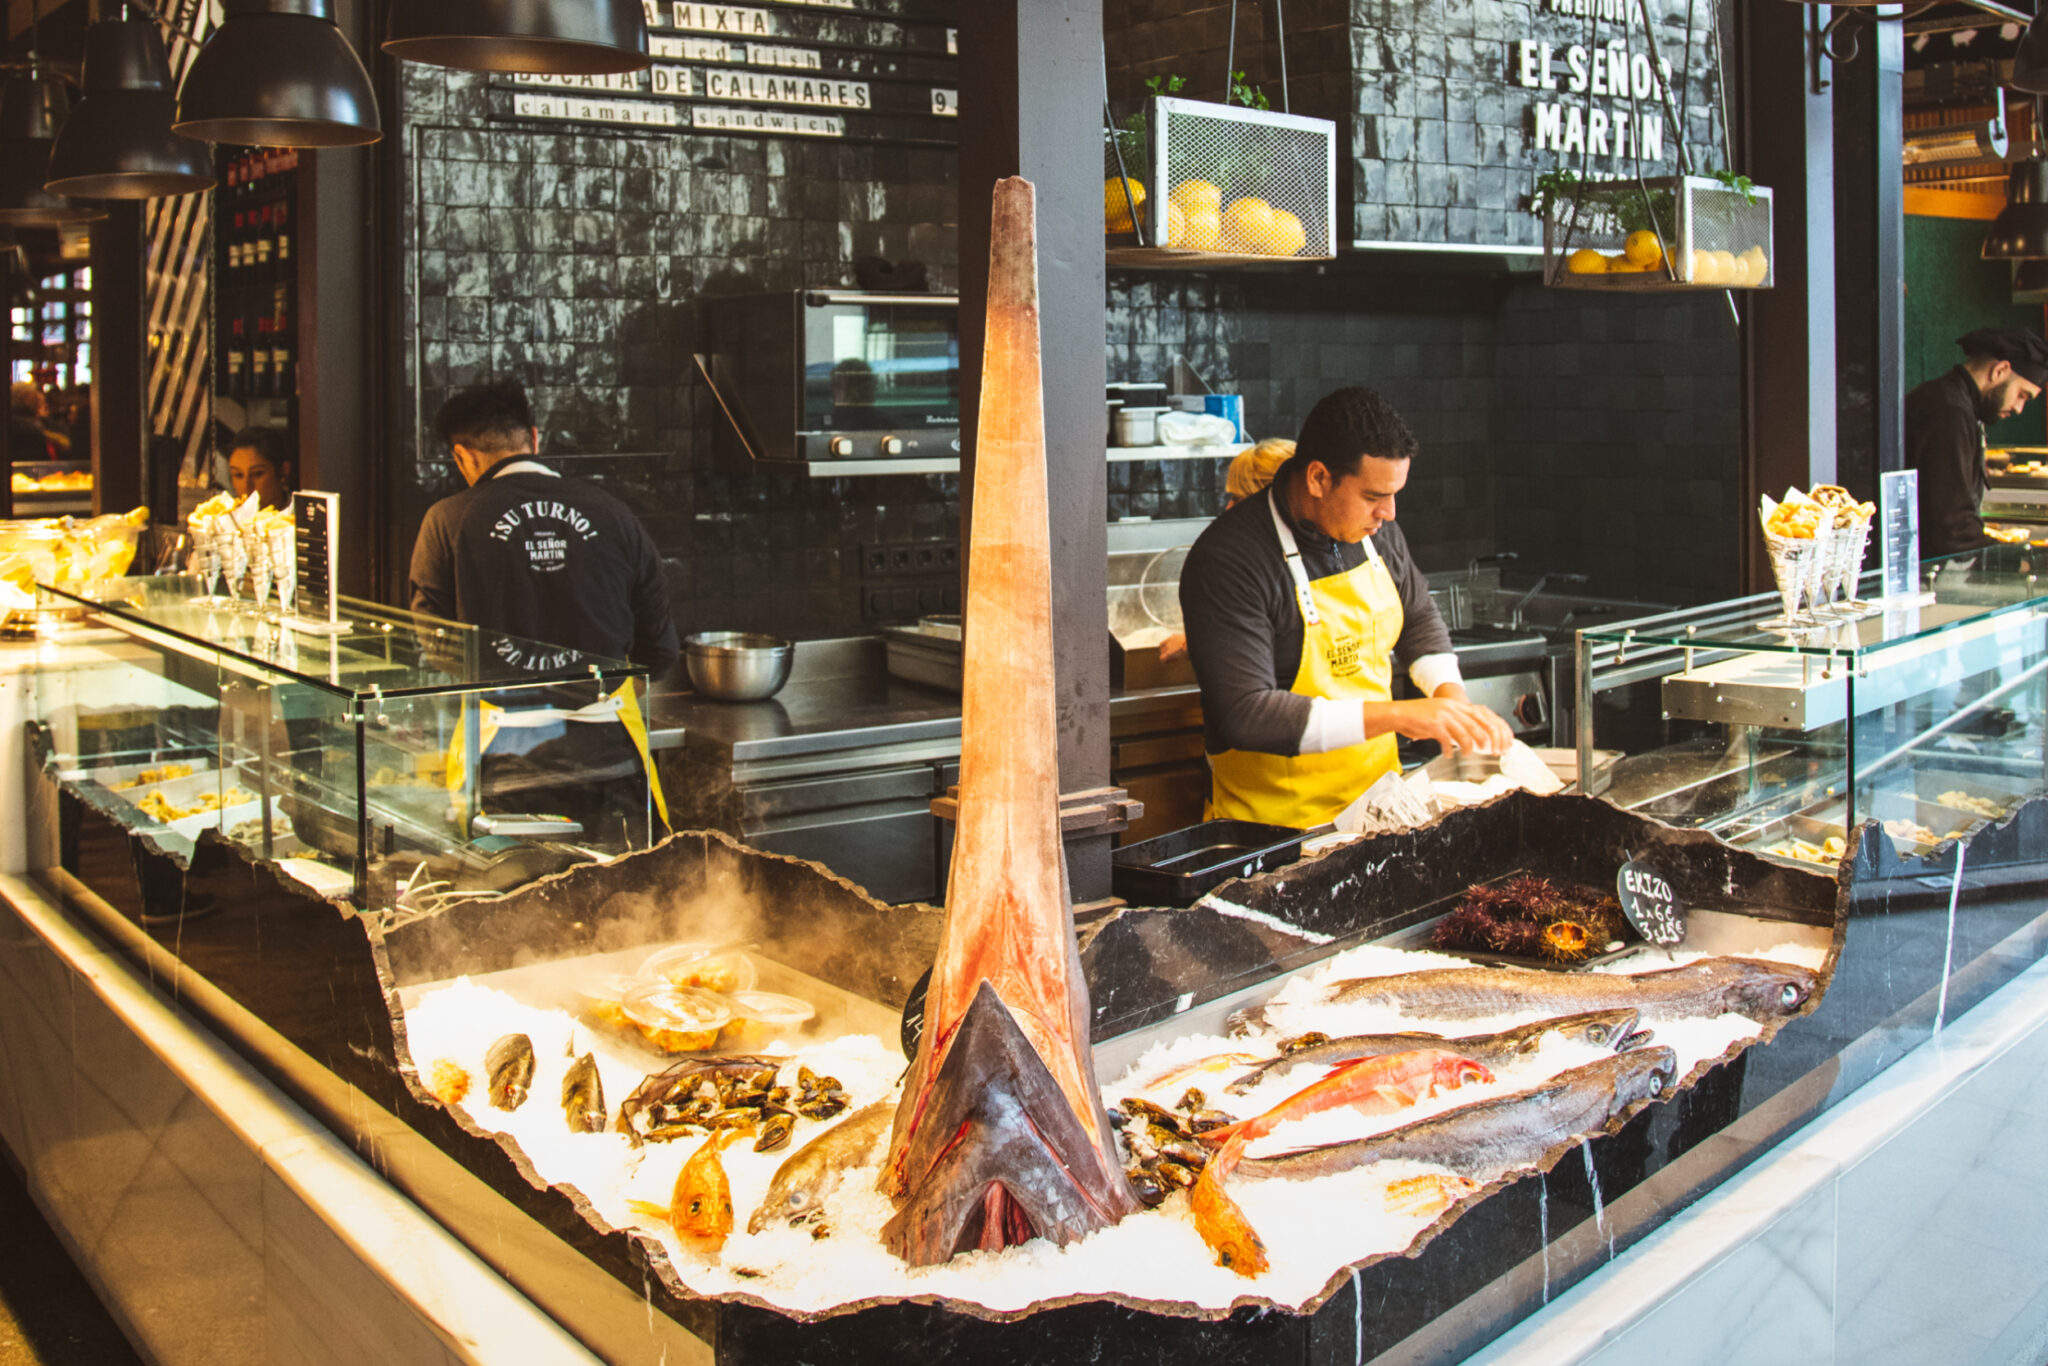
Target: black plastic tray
[[1180, 868]]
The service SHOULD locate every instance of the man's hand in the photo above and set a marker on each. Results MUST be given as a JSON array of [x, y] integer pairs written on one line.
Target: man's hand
[[1451, 722], [1173, 647]]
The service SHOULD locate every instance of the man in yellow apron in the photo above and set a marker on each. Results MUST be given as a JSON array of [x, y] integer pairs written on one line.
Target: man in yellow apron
[[1298, 603]]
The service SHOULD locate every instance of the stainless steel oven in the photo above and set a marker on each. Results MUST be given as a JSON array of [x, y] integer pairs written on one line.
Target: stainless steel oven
[[824, 375]]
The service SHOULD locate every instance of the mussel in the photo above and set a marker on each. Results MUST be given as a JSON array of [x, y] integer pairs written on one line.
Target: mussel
[[775, 1132]]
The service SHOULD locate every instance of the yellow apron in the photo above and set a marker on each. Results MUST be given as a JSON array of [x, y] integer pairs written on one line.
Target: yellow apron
[[622, 706], [1350, 625]]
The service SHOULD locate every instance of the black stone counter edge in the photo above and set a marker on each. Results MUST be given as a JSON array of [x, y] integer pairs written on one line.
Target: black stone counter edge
[[591, 1301]]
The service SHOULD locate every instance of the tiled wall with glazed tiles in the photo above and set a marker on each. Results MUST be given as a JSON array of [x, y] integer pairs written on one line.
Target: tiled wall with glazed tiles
[[570, 258], [1588, 435]]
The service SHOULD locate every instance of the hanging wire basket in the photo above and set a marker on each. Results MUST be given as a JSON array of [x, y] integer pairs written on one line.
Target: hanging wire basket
[[1668, 232], [1189, 183]]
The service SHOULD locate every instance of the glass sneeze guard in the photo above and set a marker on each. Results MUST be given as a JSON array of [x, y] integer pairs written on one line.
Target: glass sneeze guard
[[1930, 716], [390, 753]]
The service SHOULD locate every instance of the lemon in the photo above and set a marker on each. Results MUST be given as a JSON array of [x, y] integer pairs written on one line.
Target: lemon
[[1287, 237], [1621, 265], [1586, 261], [1644, 249], [1197, 197], [1705, 269], [1116, 209], [1176, 225], [1201, 231], [1724, 266], [1247, 224], [1739, 274], [1759, 265]]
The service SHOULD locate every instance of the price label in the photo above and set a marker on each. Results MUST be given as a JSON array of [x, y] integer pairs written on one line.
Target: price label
[[913, 1015], [1899, 501], [1649, 903]]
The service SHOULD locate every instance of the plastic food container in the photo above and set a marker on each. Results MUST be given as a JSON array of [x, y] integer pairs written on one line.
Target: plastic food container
[[713, 967], [1180, 868], [680, 1010], [772, 1009]]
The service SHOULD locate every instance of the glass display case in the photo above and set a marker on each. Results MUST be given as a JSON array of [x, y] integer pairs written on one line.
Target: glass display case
[[1927, 715], [398, 753]]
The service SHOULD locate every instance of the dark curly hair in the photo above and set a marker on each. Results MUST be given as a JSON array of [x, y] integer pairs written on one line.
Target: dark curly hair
[[269, 443], [1347, 426], [494, 419]]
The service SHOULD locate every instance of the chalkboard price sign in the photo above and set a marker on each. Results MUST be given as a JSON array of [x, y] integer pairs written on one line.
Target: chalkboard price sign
[[1649, 903]]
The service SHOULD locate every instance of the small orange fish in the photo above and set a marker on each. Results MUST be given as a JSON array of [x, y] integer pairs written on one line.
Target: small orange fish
[[1214, 1063], [700, 1210], [1376, 1085], [1222, 1224]]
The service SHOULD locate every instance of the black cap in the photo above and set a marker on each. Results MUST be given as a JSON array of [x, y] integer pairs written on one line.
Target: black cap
[[2022, 349]]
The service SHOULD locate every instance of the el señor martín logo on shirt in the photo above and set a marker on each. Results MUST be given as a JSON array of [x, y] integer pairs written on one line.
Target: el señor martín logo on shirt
[[548, 528]]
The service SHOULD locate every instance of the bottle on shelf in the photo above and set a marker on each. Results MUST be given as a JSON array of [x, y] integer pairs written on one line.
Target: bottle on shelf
[[281, 223], [261, 233], [283, 372], [259, 369], [238, 362]]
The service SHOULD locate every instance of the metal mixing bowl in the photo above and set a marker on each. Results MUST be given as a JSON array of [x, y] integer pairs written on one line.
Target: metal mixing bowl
[[736, 666]]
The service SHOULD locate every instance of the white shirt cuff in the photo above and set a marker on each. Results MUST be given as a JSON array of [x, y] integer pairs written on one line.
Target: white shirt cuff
[[1332, 725], [1433, 671]]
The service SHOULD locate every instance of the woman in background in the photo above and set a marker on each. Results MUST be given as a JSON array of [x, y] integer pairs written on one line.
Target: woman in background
[[258, 463]]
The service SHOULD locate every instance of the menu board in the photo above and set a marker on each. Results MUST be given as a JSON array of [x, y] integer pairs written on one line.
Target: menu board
[[316, 530], [786, 68]]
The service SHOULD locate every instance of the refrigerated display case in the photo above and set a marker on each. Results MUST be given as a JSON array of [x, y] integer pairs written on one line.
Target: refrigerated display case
[[401, 752], [1927, 715]]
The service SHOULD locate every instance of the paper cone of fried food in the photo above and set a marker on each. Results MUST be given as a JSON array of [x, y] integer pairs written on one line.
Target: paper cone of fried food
[[1000, 1135]]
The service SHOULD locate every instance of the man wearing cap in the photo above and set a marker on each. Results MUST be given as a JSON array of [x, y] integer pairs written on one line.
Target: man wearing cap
[[2003, 367]]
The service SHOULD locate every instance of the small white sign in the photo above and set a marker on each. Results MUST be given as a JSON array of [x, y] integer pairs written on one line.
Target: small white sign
[[593, 111], [756, 87], [946, 103], [953, 42], [669, 82], [731, 21], [792, 58], [711, 116], [691, 49]]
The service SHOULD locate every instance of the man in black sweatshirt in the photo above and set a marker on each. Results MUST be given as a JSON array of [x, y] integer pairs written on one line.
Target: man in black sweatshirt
[[553, 568], [530, 553]]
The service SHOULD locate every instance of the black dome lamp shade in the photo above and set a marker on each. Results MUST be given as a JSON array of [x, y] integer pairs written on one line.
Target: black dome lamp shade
[[2030, 62], [543, 37], [32, 109], [2020, 231], [278, 73], [118, 143]]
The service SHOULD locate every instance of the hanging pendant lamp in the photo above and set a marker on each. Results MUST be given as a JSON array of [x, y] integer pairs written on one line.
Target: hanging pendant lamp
[[542, 37], [2030, 282], [278, 73], [32, 109], [118, 143], [2030, 62], [2020, 232]]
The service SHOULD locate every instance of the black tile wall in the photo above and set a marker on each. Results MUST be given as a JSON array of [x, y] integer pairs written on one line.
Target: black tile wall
[[1588, 434], [570, 259]]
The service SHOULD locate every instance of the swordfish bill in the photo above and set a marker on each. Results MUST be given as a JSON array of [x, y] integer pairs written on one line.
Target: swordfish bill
[[1000, 1135]]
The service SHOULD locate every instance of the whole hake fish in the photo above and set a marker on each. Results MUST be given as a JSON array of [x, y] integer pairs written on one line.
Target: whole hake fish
[[1713, 986], [1494, 1137], [1610, 1029], [801, 1184]]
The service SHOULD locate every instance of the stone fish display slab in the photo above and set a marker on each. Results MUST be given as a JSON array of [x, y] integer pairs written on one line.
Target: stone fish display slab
[[1146, 969]]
